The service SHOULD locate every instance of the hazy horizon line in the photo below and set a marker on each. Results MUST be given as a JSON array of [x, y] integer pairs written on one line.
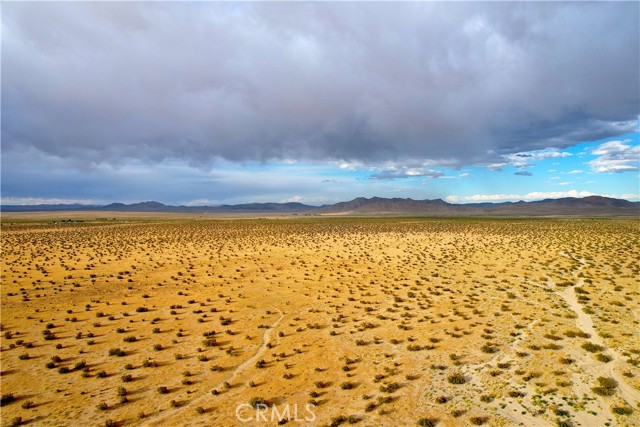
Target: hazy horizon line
[[452, 200]]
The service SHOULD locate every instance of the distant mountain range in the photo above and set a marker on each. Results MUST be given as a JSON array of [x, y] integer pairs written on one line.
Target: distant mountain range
[[587, 206]]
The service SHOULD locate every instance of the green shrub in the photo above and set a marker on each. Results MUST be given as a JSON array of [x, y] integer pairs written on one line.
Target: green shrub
[[148, 363], [116, 352], [489, 349], [622, 410], [210, 342], [336, 421], [457, 378], [427, 422], [389, 388], [606, 386], [257, 402], [371, 407], [592, 347]]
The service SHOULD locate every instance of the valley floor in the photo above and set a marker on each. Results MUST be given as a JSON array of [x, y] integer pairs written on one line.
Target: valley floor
[[328, 321]]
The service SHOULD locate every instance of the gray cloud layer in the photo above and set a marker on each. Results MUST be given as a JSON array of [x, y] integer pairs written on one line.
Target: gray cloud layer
[[369, 82]]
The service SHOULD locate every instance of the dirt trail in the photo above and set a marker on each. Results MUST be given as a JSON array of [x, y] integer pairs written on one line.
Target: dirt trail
[[585, 323], [513, 411], [266, 339]]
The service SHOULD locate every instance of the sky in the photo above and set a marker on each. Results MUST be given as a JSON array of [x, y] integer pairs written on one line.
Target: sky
[[204, 103]]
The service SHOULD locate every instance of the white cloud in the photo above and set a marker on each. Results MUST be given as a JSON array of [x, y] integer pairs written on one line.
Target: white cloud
[[536, 195], [460, 175], [575, 171], [629, 196], [402, 172], [526, 159], [350, 166], [496, 166], [615, 157], [294, 199]]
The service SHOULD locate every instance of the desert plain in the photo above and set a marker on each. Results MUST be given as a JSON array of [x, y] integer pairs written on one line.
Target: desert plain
[[178, 321]]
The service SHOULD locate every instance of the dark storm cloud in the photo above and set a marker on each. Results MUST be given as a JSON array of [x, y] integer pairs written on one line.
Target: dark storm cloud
[[42, 177], [96, 82]]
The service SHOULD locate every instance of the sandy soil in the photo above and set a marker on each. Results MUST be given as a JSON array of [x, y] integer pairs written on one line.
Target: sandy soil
[[376, 322]]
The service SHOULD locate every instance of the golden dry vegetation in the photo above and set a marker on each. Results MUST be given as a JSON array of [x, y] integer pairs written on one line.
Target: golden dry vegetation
[[376, 322]]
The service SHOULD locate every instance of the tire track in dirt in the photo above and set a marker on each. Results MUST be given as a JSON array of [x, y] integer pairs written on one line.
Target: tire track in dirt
[[513, 411], [585, 323], [266, 339]]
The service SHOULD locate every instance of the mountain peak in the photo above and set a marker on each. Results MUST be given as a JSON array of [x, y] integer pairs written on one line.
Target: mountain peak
[[149, 204]]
